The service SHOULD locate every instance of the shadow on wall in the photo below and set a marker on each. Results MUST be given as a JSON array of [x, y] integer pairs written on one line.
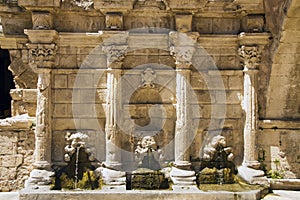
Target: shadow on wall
[[6, 83]]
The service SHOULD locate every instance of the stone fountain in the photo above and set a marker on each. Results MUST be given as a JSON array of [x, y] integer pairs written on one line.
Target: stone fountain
[[79, 167]]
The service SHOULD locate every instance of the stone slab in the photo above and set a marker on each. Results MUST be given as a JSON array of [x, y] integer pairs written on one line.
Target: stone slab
[[139, 194]]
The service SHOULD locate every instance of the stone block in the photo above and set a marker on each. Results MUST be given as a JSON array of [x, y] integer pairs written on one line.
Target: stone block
[[232, 97], [11, 160], [83, 110], [60, 81], [63, 124], [8, 142], [16, 94], [92, 123], [183, 23], [21, 107], [204, 96], [39, 3], [89, 96], [253, 23], [7, 173], [63, 95], [61, 110], [58, 145], [202, 25], [226, 25], [235, 83], [30, 95], [81, 80]]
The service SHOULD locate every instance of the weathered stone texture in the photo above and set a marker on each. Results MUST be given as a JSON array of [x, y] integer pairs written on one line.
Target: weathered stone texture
[[16, 158]]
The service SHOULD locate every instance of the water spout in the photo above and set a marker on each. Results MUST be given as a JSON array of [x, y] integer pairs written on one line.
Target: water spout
[[76, 166]]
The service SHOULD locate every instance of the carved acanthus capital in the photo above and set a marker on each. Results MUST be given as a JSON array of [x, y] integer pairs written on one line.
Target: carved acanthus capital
[[182, 47], [250, 56], [42, 55], [182, 55], [115, 53]]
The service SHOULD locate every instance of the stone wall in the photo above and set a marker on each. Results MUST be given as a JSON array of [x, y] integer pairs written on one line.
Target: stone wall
[[278, 147], [16, 151]]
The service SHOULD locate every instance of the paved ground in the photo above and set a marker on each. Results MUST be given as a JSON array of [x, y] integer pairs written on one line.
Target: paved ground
[[277, 195], [283, 195]]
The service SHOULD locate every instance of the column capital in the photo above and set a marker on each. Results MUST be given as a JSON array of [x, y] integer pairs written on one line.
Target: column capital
[[250, 57], [115, 54], [42, 47]]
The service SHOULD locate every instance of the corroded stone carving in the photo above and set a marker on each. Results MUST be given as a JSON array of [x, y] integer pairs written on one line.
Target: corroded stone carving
[[42, 55], [182, 48], [148, 76], [184, 23], [114, 21], [42, 20], [115, 53], [74, 141], [85, 4], [250, 56]]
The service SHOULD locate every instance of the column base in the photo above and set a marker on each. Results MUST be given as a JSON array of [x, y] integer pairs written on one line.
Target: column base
[[38, 178], [113, 165], [252, 176], [43, 165], [182, 178], [251, 164], [184, 165], [112, 178]]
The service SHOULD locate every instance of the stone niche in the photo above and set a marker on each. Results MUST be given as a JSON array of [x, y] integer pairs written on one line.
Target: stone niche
[[148, 110]]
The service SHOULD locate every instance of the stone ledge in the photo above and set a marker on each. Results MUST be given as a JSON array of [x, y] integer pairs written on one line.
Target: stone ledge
[[279, 124], [21, 122], [284, 184], [140, 194]]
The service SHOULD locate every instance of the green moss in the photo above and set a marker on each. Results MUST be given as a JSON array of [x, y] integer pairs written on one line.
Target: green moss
[[149, 181], [66, 182], [89, 181], [274, 174]]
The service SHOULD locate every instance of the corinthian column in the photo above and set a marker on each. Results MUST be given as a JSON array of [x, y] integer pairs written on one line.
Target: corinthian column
[[113, 154], [182, 49], [42, 154], [42, 52], [251, 57], [182, 156]]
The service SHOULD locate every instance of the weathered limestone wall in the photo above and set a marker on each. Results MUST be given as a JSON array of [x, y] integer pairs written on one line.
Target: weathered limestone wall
[[16, 151], [278, 147]]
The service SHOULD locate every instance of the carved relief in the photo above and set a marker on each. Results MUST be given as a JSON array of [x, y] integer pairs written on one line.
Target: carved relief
[[42, 20], [182, 48], [114, 21], [184, 23], [250, 56], [43, 51], [115, 53], [85, 4], [148, 76]]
